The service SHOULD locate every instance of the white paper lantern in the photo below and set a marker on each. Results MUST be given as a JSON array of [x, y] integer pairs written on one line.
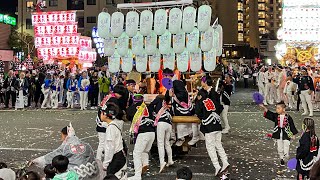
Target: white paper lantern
[[103, 24], [189, 18], [193, 40], [175, 19], [151, 43], [123, 44], [206, 42], [209, 59], [132, 23], [127, 62], [141, 62], [204, 17], [117, 21], [179, 42], [114, 62], [183, 61], [146, 22], [196, 61], [165, 43], [220, 45], [154, 61], [109, 46], [137, 44], [169, 60], [160, 21], [215, 40]]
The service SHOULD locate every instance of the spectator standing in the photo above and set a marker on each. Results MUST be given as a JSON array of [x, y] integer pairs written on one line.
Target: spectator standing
[[104, 83]]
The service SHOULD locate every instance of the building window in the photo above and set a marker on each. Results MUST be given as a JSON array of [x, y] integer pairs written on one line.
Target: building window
[[240, 6], [262, 23], [110, 2], [240, 36], [262, 15], [240, 16], [240, 27], [81, 22], [28, 24], [91, 2], [261, 7], [262, 30], [91, 19], [29, 4], [53, 2]]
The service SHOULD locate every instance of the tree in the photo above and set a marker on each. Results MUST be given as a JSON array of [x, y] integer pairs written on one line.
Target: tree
[[21, 42]]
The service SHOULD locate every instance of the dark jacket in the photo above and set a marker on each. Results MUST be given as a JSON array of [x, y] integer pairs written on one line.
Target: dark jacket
[[9, 82], [154, 108], [304, 83]]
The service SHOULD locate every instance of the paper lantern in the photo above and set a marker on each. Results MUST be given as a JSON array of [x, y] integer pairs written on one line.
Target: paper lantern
[[127, 62], [117, 21], [103, 24], [183, 61], [189, 18], [193, 40], [132, 23], [206, 42], [220, 44], [137, 44], [169, 60], [209, 59], [114, 62], [196, 61], [151, 43], [141, 62], [175, 19], [204, 17], [123, 44], [165, 43], [179, 42], [154, 61], [109, 46], [160, 21], [215, 40], [146, 22]]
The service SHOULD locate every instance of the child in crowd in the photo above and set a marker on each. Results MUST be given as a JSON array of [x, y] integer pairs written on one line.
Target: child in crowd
[[307, 150], [49, 172], [60, 164], [72, 87], [184, 174], [289, 90], [30, 176], [284, 129]]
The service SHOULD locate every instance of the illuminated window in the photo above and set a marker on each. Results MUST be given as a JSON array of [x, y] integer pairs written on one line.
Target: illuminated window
[[261, 1], [53, 2], [240, 6], [29, 4], [240, 16], [240, 37], [262, 23], [261, 7], [240, 26], [262, 15], [262, 30]]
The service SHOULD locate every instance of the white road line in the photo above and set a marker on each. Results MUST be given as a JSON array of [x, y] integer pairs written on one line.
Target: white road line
[[26, 149], [88, 137]]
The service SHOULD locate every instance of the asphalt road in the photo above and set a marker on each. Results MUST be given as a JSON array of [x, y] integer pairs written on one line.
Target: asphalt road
[[28, 134]]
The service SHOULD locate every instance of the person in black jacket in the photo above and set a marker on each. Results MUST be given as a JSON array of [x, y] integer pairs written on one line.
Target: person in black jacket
[[11, 91], [94, 90], [208, 111], [225, 92], [284, 129], [144, 131], [307, 150]]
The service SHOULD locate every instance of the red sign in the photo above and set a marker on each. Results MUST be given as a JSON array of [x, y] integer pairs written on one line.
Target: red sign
[[53, 17]]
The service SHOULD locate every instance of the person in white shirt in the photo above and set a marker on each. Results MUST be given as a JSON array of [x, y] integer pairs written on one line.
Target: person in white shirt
[[281, 81], [261, 84], [269, 90], [289, 91], [115, 161]]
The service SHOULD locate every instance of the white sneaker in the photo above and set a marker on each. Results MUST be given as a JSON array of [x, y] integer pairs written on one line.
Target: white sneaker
[[162, 166], [194, 140], [170, 164], [304, 114], [92, 108], [311, 115], [217, 171], [225, 167], [225, 131], [266, 104], [134, 178], [180, 142], [172, 141]]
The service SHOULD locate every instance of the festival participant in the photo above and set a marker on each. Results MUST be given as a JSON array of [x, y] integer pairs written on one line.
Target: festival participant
[[72, 86], [255, 72], [163, 121], [83, 85], [94, 90], [184, 173], [269, 85], [21, 86], [2, 90], [115, 161], [208, 110], [281, 82], [306, 88], [307, 150], [261, 84], [284, 129], [289, 90], [55, 90], [45, 88], [60, 164], [39, 80], [62, 92], [130, 84], [10, 90], [317, 90], [225, 91], [144, 131]]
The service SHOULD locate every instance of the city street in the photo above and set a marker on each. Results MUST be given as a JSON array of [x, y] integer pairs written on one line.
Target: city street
[[28, 134]]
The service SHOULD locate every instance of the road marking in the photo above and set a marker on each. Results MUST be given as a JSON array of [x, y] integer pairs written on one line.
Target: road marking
[[26, 149], [89, 137]]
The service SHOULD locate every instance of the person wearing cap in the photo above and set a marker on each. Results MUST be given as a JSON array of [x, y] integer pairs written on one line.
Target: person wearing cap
[[261, 84], [306, 88], [143, 129], [72, 87], [115, 160]]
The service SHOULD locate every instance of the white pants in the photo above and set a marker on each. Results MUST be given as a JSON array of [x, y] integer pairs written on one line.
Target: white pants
[[262, 91], [54, 99], [283, 148], [270, 93], [291, 100], [140, 153], [306, 101], [70, 96], [163, 137], [213, 145], [83, 99], [224, 116], [183, 129], [46, 101], [100, 149], [61, 95]]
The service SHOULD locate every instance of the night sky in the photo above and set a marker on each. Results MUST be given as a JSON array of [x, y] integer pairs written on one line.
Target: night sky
[[8, 7]]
